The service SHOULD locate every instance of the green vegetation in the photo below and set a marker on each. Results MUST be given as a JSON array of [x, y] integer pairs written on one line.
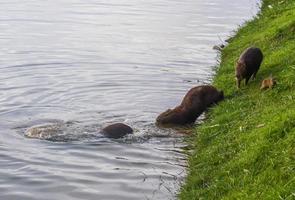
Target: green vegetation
[[245, 149]]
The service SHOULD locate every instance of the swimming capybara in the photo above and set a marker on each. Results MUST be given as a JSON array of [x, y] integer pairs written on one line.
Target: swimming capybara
[[194, 103], [248, 65], [268, 83], [117, 130]]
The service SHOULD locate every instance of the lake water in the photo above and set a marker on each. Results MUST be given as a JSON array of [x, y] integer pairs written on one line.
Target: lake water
[[88, 63]]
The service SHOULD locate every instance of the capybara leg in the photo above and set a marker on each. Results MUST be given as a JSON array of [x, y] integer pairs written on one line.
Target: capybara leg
[[254, 75], [247, 80], [238, 82]]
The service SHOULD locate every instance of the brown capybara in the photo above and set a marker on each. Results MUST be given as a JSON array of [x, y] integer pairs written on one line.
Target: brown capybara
[[248, 65], [194, 103], [117, 130], [268, 83]]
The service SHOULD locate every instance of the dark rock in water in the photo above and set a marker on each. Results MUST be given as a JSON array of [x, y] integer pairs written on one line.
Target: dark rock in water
[[117, 130], [248, 65], [195, 102]]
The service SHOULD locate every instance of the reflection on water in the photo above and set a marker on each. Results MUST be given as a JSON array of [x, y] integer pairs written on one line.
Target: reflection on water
[[89, 63]]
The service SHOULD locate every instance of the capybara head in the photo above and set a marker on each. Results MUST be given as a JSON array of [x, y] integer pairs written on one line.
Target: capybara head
[[220, 96], [117, 130], [195, 102]]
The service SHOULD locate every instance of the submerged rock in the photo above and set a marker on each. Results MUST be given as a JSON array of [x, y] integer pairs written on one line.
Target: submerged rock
[[117, 130]]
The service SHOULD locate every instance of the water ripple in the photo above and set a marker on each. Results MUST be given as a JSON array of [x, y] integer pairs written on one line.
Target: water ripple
[[84, 64]]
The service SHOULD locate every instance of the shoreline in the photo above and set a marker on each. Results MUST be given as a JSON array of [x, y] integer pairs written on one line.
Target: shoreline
[[245, 147]]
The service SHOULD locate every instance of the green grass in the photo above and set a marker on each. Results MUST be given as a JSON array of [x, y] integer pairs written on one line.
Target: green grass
[[245, 149]]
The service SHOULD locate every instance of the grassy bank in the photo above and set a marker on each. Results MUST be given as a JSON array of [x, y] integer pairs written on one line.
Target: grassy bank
[[246, 147]]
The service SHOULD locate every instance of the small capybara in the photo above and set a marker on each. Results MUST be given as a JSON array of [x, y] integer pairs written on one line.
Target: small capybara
[[117, 130], [248, 65], [268, 83], [194, 103]]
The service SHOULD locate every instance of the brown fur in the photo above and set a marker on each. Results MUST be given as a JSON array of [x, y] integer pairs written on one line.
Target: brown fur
[[117, 130], [248, 65], [268, 83], [194, 103]]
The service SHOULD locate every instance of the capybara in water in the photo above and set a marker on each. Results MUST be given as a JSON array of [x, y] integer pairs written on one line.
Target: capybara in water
[[117, 130], [248, 65], [194, 103], [268, 83]]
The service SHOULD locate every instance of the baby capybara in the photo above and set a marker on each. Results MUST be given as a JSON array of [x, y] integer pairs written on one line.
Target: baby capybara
[[194, 103], [117, 130], [248, 65], [268, 83]]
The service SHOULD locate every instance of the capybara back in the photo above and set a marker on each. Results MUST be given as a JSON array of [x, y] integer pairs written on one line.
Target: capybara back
[[194, 103], [248, 64], [117, 130]]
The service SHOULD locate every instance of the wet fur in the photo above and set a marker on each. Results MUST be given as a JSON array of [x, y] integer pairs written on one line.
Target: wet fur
[[117, 130], [195, 102]]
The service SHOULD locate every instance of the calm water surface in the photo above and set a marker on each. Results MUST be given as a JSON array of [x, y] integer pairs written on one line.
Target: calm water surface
[[88, 63]]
